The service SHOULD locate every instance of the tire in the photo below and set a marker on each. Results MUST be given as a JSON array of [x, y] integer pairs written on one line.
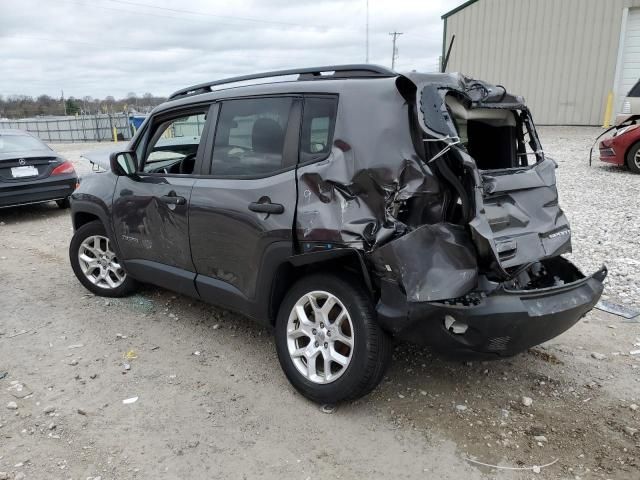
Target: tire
[[633, 158], [64, 203], [104, 276], [367, 357]]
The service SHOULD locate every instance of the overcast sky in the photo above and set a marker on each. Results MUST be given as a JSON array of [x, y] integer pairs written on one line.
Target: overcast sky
[[112, 47]]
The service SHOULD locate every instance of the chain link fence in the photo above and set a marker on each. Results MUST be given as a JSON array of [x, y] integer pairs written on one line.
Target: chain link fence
[[82, 128]]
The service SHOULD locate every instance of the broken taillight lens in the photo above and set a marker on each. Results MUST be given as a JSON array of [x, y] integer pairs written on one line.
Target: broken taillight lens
[[64, 168]]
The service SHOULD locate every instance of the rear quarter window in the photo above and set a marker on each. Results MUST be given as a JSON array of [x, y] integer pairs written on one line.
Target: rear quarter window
[[318, 123]]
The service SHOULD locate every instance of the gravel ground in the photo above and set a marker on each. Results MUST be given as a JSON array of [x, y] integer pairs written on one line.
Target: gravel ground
[[213, 403], [603, 206]]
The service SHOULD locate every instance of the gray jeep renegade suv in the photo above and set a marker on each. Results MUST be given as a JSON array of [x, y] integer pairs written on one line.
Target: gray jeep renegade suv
[[344, 206]]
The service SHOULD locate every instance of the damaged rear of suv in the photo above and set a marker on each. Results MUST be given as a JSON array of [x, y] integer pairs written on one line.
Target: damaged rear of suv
[[346, 207], [484, 272]]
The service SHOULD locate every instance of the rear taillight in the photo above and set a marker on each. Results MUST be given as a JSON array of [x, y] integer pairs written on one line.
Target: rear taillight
[[64, 168]]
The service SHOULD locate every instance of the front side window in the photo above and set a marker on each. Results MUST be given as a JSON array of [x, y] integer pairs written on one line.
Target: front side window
[[250, 137], [318, 122], [174, 145]]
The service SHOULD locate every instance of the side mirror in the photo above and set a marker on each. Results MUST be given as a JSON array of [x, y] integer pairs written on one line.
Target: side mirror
[[123, 163]]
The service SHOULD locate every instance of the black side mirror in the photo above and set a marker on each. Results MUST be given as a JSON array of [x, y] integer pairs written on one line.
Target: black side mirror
[[123, 163]]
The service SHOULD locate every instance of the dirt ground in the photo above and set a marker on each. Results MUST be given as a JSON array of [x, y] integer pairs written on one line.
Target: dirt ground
[[213, 403]]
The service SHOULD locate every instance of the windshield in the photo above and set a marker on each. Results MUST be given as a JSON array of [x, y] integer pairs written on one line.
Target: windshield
[[17, 143]]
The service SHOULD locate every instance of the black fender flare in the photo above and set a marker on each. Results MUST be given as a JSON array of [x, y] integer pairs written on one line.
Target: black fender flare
[[94, 206], [333, 254]]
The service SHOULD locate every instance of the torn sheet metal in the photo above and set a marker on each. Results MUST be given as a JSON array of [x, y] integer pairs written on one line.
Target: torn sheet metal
[[353, 197], [387, 178], [443, 250], [516, 216]]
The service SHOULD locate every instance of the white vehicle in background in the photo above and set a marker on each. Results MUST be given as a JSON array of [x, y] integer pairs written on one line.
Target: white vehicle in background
[[630, 105]]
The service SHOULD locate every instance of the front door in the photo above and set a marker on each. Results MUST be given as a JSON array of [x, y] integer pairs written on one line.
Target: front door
[[241, 216], [150, 209]]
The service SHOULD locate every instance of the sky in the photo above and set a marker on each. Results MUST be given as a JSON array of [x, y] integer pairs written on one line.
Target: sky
[[112, 47]]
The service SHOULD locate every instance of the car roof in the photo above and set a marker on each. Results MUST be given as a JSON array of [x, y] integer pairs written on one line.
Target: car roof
[[282, 87], [360, 81]]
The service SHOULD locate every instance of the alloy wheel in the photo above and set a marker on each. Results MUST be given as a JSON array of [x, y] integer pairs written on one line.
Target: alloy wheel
[[99, 264], [636, 159], [320, 337]]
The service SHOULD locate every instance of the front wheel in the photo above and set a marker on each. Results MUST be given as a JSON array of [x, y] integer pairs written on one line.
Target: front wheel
[[329, 343], [633, 158], [95, 263]]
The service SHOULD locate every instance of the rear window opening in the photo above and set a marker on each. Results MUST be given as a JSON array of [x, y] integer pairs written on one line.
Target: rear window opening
[[496, 138]]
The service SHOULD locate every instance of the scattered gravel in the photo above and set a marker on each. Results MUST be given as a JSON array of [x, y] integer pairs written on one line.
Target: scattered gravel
[[526, 401], [602, 203]]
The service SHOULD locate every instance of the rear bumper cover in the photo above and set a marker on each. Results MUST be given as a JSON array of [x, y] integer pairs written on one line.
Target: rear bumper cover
[[43, 190], [503, 323]]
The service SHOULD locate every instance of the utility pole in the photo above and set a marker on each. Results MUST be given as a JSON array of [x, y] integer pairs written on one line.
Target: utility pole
[[64, 104], [367, 40], [394, 52]]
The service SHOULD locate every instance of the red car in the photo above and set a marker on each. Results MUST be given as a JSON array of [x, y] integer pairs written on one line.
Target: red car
[[623, 148]]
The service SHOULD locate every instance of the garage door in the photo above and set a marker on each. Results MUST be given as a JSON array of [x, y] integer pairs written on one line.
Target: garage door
[[630, 56]]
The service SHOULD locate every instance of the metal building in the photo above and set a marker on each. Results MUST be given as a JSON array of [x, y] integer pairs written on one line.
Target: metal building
[[564, 56]]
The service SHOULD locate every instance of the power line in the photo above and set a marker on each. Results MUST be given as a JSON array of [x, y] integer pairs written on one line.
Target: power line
[[205, 14], [394, 52], [159, 15]]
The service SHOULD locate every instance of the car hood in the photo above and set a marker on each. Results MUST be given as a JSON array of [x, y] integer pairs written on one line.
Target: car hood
[[100, 156]]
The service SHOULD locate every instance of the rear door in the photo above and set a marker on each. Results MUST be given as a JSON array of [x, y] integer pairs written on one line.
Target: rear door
[[242, 212], [150, 209]]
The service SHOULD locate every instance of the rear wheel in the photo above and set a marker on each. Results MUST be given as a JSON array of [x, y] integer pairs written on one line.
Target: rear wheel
[[95, 263], [329, 343], [633, 158]]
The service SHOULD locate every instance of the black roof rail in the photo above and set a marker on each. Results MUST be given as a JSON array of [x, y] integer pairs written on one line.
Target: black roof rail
[[339, 71]]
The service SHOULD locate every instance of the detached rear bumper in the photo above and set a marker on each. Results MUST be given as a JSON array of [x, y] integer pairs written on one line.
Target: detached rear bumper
[[36, 191], [503, 323]]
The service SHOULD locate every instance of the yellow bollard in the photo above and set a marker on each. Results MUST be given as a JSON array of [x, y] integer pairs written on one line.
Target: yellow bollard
[[606, 123], [115, 135]]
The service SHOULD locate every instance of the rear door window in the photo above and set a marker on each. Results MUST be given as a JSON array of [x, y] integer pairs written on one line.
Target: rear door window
[[250, 137]]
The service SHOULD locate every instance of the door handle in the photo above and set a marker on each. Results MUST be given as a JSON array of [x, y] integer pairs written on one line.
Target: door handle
[[266, 207], [172, 199]]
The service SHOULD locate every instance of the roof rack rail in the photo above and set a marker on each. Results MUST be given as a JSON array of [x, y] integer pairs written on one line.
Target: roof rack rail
[[338, 71]]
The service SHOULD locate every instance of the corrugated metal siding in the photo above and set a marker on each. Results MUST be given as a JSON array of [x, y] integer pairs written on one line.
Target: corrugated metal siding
[[560, 55], [631, 56]]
